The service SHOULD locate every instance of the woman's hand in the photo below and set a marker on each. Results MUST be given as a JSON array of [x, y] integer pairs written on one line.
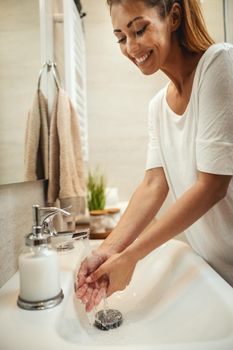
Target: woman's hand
[[84, 291], [112, 275]]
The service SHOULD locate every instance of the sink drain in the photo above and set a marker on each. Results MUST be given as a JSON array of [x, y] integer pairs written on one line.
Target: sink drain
[[108, 319]]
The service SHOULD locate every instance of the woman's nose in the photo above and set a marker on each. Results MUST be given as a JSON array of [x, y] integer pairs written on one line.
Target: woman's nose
[[132, 47]]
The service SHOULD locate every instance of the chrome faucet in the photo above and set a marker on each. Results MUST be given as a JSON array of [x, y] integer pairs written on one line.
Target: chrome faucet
[[44, 217]]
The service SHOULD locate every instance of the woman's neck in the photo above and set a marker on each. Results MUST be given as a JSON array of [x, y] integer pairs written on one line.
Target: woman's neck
[[180, 67]]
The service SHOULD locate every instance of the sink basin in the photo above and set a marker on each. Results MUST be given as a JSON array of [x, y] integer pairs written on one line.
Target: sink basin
[[175, 301]]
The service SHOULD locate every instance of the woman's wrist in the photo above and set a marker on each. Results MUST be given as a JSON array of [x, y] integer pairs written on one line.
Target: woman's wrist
[[112, 244], [107, 249], [131, 254]]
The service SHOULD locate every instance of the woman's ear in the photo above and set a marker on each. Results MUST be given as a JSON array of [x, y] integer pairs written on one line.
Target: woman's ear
[[175, 17]]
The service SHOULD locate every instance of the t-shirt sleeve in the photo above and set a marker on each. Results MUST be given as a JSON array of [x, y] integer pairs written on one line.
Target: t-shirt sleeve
[[153, 157], [214, 141]]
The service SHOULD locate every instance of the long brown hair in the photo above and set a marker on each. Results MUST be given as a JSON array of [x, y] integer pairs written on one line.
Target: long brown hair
[[192, 33]]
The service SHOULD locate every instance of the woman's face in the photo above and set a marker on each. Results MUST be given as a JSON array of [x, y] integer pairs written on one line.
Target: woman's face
[[144, 37]]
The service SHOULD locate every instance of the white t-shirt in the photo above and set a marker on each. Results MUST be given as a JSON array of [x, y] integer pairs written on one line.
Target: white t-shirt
[[201, 139]]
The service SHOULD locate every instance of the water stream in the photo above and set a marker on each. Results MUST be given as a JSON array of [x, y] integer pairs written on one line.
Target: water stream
[[91, 316], [106, 318]]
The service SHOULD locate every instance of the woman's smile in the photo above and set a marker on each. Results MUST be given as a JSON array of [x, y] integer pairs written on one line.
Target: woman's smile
[[142, 59]]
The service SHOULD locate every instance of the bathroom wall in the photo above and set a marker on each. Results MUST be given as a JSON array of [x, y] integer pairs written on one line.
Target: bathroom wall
[[118, 95], [16, 221], [213, 15], [229, 20]]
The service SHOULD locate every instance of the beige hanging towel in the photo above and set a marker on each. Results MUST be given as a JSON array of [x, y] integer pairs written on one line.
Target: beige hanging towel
[[36, 140], [66, 166]]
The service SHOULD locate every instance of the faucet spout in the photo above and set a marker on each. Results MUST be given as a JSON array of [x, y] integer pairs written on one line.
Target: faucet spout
[[69, 237], [74, 235]]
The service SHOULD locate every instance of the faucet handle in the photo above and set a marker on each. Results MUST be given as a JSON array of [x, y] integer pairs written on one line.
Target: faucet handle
[[43, 217]]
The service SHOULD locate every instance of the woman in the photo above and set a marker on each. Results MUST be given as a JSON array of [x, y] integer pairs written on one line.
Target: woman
[[190, 150]]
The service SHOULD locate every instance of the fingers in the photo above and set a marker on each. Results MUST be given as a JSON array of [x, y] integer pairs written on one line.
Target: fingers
[[100, 295], [92, 282], [81, 291], [87, 296], [102, 289], [89, 265], [96, 297], [84, 293], [82, 273], [94, 276], [91, 303], [81, 279], [95, 293]]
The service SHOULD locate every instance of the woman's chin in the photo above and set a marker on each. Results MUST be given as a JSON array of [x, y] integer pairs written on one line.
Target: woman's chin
[[148, 70]]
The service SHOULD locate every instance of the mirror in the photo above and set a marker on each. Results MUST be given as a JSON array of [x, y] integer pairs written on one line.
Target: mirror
[[19, 68]]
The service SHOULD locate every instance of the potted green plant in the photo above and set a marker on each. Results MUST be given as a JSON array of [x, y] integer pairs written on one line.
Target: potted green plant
[[96, 202], [96, 190]]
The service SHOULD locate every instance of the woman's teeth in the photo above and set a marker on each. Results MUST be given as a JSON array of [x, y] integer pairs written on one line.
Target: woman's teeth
[[143, 58]]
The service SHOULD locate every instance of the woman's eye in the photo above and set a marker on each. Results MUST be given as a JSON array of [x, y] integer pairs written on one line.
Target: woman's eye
[[121, 40], [141, 31]]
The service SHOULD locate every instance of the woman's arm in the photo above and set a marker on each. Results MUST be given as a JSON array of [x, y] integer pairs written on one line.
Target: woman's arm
[[143, 206], [203, 195]]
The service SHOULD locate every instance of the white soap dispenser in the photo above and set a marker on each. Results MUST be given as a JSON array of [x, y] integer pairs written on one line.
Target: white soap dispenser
[[39, 266]]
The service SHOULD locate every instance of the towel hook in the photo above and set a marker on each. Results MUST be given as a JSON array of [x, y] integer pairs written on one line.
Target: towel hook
[[53, 67]]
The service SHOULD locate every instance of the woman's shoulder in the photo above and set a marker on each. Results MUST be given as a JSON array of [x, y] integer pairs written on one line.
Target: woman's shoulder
[[217, 60], [218, 47], [217, 53], [156, 100]]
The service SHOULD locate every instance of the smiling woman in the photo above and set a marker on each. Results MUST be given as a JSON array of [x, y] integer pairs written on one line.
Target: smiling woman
[[190, 148]]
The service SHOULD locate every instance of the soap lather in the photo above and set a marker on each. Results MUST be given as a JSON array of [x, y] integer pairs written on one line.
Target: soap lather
[[38, 265]]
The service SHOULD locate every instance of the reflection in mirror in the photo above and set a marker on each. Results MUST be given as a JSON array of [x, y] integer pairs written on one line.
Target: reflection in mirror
[[19, 67]]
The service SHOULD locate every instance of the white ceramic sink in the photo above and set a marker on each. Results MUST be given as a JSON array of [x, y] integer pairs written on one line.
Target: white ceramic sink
[[175, 301]]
